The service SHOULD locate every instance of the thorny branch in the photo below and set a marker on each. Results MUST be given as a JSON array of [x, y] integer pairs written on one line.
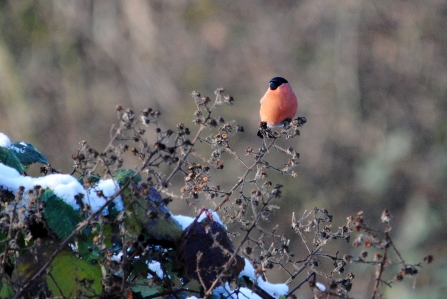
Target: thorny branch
[[314, 228]]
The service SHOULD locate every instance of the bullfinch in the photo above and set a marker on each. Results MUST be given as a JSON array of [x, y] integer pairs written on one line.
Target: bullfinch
[[279, 104]]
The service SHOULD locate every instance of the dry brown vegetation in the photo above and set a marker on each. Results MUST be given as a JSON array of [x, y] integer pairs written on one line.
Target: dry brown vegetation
[[370, 78]]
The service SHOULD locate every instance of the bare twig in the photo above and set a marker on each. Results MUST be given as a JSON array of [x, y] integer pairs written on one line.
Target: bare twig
[[311, 275]]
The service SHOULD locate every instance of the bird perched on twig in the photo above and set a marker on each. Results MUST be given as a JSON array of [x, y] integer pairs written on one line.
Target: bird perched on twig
[[278, 105]]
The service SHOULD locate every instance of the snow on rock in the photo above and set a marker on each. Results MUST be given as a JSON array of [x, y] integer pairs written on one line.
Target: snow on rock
[[64, 186]]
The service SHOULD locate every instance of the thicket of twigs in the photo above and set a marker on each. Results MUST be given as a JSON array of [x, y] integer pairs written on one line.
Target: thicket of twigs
[[109, 255]]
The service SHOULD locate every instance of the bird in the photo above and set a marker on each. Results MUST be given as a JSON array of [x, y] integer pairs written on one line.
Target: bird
[[279, 104]]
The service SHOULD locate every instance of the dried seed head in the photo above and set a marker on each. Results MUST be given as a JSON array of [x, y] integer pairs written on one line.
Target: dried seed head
[[195, 95], [228, 99], [219, 91], [347, 258], [386, 216], [206, 99], [428, 259], [147, 111]]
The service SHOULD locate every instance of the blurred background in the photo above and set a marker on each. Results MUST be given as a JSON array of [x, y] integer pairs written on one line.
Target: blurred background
[[371, 78]]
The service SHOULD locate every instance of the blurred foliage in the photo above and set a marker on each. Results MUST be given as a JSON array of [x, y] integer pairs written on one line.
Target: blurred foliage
[[370, 78]]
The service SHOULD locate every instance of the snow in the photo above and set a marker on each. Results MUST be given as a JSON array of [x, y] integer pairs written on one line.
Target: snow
[[321, 286], [117, 257], [215, 216], [17, 149], [4, 140], [64, 186], [275, 290], [247, 293], [186, 221], [248, 270], [108, 187], [156, 267]]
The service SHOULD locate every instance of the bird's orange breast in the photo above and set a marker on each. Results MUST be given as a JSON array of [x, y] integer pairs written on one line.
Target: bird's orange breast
[[278, 105]]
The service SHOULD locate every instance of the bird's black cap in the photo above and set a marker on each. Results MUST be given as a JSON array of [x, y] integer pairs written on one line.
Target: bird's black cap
[[276, 82]]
